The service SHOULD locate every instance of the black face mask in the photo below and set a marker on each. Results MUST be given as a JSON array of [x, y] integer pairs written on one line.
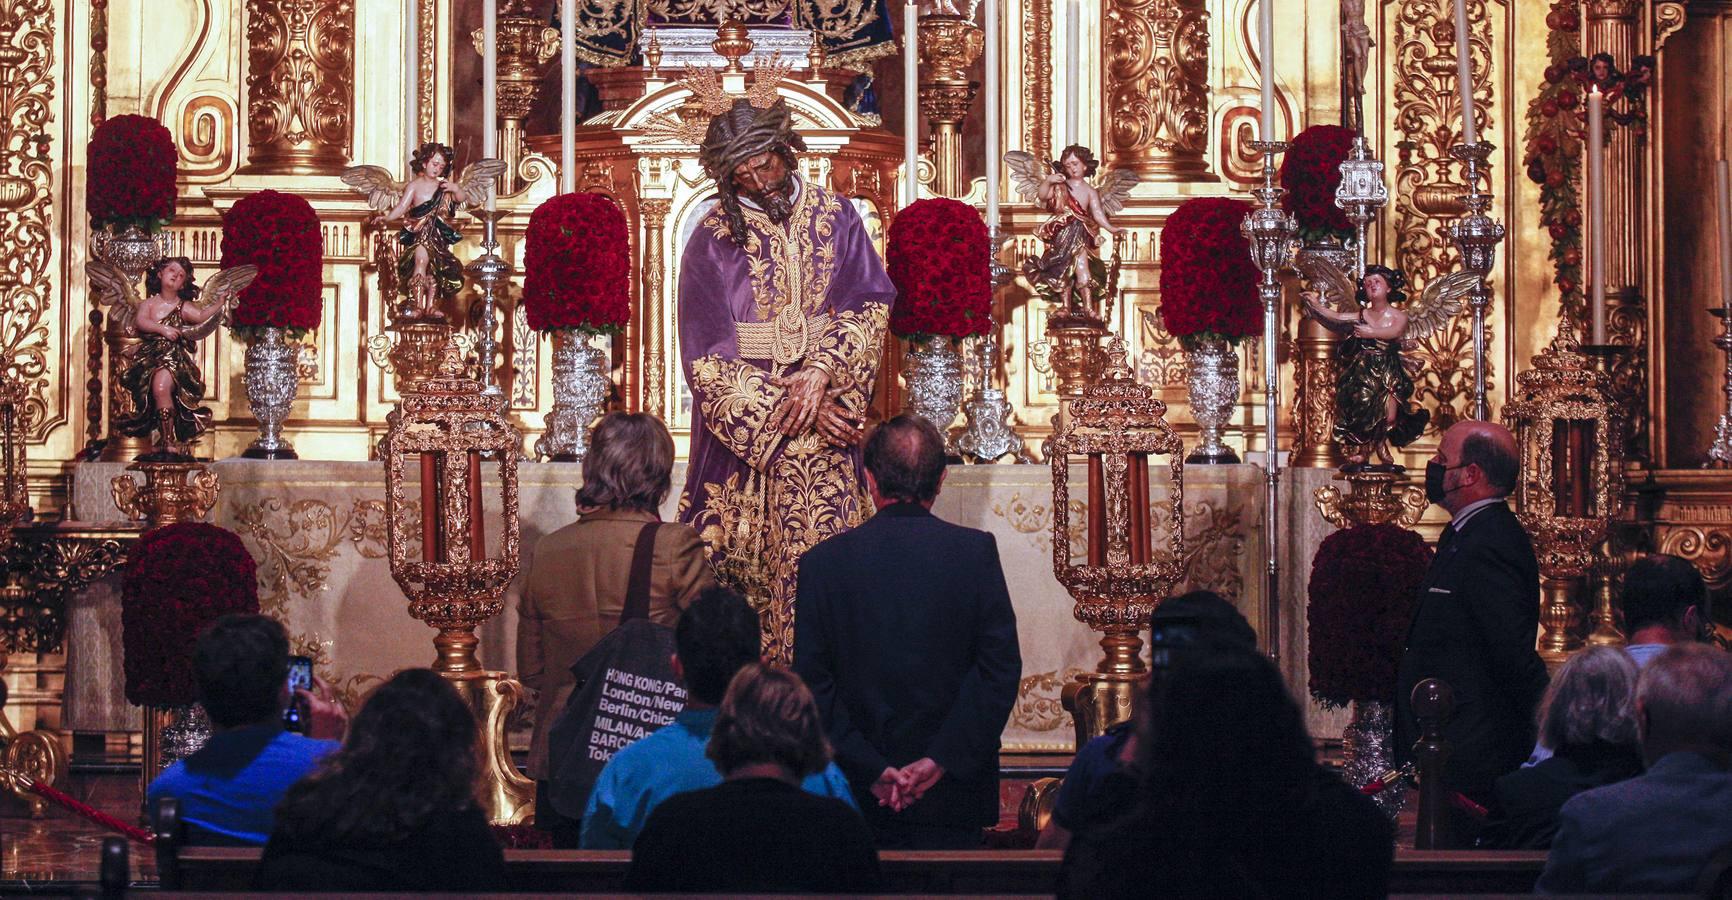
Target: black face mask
[[1434, 490]]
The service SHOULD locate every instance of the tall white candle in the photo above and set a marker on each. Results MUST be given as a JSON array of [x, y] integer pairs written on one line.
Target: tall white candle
[[567, 99], [1597, 212], [992, 148], [412, 73], [1073, 84], [1723, 213], [1266, 55], [910, 99], [490, 91], [1464, 73]]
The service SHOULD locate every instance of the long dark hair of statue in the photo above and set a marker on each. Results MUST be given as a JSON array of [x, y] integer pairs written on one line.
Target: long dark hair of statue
[[730, 194], [153, 277]]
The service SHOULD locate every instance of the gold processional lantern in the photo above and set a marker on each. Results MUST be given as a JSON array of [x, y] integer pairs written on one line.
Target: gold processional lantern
[[1115, 427], [14, 483], [1562, 419], [444, 429]]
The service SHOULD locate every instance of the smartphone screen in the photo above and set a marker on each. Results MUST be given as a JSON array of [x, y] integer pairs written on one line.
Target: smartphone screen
[[300, 679]]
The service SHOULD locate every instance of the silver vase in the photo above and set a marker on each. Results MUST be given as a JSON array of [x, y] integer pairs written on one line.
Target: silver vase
[[185, 734], [987, 433], [131, 249], [1368, 751], [580, 388], [1213, 387], [933, 372], [270, 380]]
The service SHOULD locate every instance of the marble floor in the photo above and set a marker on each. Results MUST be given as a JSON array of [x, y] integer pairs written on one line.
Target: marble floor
[[60, 848]]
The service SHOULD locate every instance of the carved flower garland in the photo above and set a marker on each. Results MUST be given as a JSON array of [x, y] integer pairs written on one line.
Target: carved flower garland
[[1364, 588], [1208, 282], [1556, 133], [937, 256], [279, 233], [577, 265], [130, 180], [179, 579], [1311, 172]]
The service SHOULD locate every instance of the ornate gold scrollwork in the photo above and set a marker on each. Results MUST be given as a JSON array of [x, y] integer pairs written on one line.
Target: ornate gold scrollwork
[[1427, 111], [1037, 77], [27, 44], [300, 85], [1157, 87], [172, 492]]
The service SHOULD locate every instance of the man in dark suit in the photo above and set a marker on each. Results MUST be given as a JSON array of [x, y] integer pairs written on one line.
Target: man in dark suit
[[1657, 832], [1477, 615], [903, 629]]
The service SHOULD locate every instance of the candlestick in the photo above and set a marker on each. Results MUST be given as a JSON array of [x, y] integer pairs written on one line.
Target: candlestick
[[431, 525], [1073, 86], [1723, 218], [567, 98], [1597, 212], [412, 75], [490, 91], [991, 101], [477, 524], [1464, 73], [1266, 56], [910, 94]]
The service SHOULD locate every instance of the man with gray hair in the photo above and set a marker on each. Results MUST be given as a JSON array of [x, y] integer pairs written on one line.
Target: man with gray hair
[[1655, 833], [782, 309]]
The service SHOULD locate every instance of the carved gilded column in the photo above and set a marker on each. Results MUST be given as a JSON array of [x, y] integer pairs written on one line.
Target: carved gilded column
[[655, 217], [1613, 26], [1037, 78], [526, 43], [300, 86], [1157, 87], [948, 46]]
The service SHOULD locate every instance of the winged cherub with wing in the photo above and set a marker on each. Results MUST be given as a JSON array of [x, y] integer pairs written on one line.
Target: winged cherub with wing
[[427, 271], [1070, 267], [161, 375], [1374, 389]]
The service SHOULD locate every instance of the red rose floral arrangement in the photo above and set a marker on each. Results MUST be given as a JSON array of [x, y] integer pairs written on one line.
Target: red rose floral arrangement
[[1311, 171], [179, 579], [130, 179], [938, 259], [577, 265], [1208, 282], [279, 233], [1364, 587]]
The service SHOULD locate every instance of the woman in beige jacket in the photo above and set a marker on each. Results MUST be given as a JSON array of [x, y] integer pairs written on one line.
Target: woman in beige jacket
[[574, 586]]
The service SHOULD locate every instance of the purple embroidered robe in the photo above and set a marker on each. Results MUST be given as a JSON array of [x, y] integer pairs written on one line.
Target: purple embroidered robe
[[760, 499]]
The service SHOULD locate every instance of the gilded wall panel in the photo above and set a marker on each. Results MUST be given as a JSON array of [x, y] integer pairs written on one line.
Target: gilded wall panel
[[198, 101], [29, 336]]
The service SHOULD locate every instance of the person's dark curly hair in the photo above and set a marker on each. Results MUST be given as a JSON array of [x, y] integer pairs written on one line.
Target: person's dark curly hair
[[1090, 164], [716, 637], [1394, 277], [153, 277], [418, 161], [413, 753]]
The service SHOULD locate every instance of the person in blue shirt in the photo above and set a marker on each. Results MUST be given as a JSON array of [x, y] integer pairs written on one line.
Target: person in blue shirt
[[716, 637], [229, 789]]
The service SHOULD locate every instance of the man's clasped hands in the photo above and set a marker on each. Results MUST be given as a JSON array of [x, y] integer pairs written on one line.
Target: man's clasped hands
[[900, 788], [809, 401]]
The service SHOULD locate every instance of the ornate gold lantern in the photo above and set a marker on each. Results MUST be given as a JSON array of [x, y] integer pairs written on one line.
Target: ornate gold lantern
[[443, 430], [14, 483], [1114, 428], [1562, 419]]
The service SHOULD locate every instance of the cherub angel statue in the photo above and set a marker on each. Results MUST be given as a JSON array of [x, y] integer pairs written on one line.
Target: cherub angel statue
[[161, 373], [1374, 389], [427, 205], [1070, 267]]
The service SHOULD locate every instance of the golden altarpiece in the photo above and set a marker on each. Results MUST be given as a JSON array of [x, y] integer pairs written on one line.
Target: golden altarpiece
[[285, 93]]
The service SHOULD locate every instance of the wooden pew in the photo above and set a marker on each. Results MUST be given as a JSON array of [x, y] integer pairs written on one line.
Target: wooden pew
[[905, 871]]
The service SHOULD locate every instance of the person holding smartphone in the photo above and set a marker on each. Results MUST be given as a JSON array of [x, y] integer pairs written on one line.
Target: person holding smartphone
[[229, 789]]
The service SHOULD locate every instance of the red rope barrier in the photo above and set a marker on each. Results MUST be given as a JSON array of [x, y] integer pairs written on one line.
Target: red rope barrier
[[132, 832]]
